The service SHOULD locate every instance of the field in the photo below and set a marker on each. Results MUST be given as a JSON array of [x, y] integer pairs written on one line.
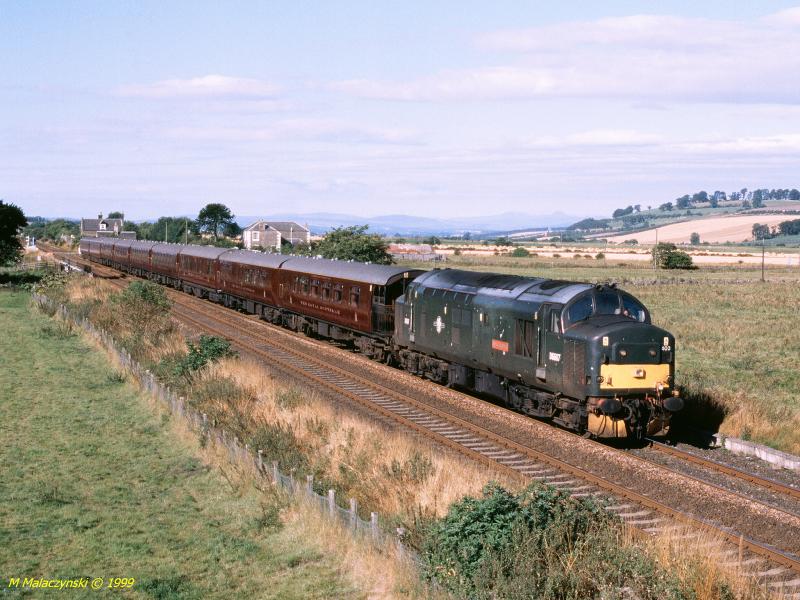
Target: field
[[737, 338], [94, 485], [738, 228]]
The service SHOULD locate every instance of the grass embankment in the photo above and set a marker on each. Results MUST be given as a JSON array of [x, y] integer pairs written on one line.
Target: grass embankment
[[95, 485], [737, 344]]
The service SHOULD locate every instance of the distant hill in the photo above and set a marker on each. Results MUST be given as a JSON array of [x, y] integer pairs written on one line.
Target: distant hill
[[410, 225]]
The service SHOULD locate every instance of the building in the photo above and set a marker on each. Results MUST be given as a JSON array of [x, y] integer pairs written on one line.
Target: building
[[101, 227], [270, 234], [418, 252], [291, 232], [260, 235]]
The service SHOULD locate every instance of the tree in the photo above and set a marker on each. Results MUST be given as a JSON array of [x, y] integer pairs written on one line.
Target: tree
[[683, 202], [794, 194], [213, 217], [354, 243], [701, 196], [761, 232], [432, 240], [520, 252], [666, 206], [232, 230], [694, 239], [116, 215], [667, 256], [467, 236], [12, 220], [758, 199]]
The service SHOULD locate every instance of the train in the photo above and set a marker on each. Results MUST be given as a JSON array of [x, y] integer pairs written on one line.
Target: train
[[584, 356]]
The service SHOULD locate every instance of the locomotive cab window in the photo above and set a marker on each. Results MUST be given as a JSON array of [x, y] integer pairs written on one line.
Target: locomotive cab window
[[578, 311], [633, 309], [607, 303]]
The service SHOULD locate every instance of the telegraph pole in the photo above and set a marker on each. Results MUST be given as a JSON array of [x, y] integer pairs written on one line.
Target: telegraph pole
[[762, 258]]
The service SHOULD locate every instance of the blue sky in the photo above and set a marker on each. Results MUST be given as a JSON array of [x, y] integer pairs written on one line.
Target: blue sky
[[435, 109]]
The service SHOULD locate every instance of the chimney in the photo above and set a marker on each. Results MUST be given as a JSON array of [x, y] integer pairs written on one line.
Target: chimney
[[100, 216]]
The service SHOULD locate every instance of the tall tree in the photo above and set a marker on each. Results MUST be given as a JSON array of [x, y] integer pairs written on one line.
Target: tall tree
[[354, 243], [213, 217], [12, 220]]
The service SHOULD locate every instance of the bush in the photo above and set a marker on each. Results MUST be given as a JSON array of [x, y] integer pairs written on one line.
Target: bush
[[520, 252], [667, 256], [694, 239], [599, 256], [516, 546], [208, 349]]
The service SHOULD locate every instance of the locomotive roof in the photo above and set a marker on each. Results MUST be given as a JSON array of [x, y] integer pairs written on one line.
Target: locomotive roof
[[533, 289], [352, 271], [257, 259]]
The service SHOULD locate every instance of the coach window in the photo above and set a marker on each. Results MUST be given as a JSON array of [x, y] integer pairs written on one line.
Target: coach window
[[337, 292], [304, 284], [326, 290], [355, 295], [315, 287], [296, 284]]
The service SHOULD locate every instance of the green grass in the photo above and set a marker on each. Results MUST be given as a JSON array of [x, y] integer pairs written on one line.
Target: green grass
[[95, 485]]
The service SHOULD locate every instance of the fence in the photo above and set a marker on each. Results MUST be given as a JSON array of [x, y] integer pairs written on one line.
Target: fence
[[238, 453]]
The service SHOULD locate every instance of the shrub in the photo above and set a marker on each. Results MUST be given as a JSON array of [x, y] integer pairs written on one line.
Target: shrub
[[599, 256], [506, 545], [694, 239], [208, 349], [667, 256], [520, 252]]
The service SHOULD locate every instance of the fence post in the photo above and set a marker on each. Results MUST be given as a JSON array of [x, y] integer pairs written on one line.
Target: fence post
[[205, 426], [309, 484], [332, 502], [401, 535], [260, 462], [275, 472], [353, 512], [373, 525]]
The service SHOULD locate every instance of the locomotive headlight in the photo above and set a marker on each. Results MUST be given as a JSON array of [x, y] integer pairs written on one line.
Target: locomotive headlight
[[623, 353], [653, 352], [600, 379], [660, 386]]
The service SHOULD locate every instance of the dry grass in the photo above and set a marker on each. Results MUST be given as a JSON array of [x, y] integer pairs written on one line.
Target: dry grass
[[391, 473], [700, 565]]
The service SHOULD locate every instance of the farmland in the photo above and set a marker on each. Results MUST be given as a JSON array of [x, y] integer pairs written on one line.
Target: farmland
[[737, 228]]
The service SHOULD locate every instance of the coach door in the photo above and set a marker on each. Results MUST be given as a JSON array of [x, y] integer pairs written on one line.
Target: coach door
[[550, 345]]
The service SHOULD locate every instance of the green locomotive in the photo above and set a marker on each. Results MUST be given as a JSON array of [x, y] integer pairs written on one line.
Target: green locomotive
[[585, 356]]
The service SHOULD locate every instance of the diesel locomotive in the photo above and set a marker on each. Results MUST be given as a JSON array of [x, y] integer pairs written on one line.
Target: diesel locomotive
[[586, 357]]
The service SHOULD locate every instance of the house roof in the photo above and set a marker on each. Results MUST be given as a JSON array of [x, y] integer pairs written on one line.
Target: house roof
[[94, 224], [255, 225], [282, 226]]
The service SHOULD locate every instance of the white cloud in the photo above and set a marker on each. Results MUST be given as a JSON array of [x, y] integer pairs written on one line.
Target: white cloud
[[202, 87], [654, 57], [326, 130]]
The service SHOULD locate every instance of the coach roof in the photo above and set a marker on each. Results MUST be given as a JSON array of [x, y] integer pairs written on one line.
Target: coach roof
[[208, 252], [351, 271], [253, 258]]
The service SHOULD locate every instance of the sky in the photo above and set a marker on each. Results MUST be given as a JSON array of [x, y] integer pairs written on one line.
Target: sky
[[437, 109]]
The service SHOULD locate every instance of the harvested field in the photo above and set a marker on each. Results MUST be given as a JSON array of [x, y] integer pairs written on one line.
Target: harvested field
[[716, 230]]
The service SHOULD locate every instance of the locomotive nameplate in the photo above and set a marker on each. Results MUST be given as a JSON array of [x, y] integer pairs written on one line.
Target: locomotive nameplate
[[554, 356], [500, 345]]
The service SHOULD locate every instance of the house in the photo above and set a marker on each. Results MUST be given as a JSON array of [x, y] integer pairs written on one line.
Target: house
[[107, 227], [418, 252], [260, 235], [292, 232], [270, 234]]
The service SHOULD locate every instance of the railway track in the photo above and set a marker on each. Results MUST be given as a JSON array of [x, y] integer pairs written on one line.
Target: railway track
[[475, 442], [779, 569], [712, 465]]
